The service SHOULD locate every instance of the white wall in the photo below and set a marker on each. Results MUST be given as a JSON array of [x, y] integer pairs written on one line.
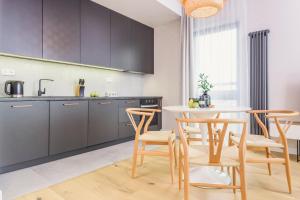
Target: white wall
[[166, 78], [282, 18], [66, 77]]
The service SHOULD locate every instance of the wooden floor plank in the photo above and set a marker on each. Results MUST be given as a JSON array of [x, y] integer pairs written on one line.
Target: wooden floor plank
[[153, 183]]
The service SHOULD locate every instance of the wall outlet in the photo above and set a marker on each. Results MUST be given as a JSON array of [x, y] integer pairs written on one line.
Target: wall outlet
[[111, 94], [114, 94], [109, 80], [8, 72]]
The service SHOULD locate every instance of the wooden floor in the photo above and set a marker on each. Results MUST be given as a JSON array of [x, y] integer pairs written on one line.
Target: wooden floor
[[153, 183]]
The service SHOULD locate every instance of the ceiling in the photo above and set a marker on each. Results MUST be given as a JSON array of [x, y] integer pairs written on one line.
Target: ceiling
[[150, 12]]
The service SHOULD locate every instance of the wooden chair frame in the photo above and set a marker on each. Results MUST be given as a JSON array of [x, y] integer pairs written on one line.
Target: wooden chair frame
[[277, 116], [146, 116], [215, 154], [189, 139]]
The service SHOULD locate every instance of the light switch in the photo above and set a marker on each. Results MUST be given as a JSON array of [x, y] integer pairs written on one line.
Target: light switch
[[8, 72]]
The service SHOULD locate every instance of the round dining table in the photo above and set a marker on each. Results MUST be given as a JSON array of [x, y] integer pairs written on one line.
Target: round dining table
[[211, 175]]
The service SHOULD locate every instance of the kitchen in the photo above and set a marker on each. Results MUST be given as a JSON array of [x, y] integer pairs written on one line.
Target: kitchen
[[81, 29], [72, 73], [93, 37]]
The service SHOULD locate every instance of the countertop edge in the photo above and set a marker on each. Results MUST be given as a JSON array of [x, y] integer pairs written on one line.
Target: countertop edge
[[71, 98]]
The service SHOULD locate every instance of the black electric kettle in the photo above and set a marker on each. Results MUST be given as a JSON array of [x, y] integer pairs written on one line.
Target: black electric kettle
[[14, 88]]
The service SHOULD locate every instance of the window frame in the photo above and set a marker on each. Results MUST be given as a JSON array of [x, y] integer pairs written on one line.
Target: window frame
[[220, 28]]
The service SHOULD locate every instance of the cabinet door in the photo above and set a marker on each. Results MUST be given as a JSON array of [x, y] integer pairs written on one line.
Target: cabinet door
[[95, 34], [103, 121], [68, 125], [149, 58], [123, 105], [61, 30], [125, 126], [24, 131], [126, 130], [142, 59], [121, 47], [21, 27]]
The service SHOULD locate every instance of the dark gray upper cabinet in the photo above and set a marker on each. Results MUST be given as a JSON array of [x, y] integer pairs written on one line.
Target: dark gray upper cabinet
[[95, 34], [68, 125], [149, 58], [142, 48], [61, 30], [79, 31], [121, 47], [132, 45], [103, 121], [21, 27], [24, 131]]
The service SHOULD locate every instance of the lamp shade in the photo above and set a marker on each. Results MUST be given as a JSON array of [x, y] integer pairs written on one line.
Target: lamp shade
[[202, 8]]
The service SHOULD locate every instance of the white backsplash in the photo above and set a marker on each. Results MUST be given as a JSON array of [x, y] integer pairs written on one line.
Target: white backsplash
[[66, 76]]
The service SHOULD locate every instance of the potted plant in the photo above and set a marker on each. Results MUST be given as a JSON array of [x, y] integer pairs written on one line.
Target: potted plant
[[205, 86]]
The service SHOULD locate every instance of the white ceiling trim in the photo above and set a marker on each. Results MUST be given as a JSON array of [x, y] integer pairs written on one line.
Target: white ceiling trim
[[150, 12], [173, 5]]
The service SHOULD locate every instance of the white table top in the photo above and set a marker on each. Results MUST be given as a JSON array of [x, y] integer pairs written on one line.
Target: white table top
[[216, 109]]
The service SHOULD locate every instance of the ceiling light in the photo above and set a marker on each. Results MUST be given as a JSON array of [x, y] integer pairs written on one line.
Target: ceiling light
[[202, 8]]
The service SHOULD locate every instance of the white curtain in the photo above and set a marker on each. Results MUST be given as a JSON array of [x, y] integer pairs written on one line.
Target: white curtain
[[186, 56], [219, 49]]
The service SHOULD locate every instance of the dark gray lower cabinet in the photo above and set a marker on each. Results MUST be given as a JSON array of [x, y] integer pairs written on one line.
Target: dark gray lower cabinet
[[103, 121], [126, 130], [123, 105], [125, 126], [30, 130], [68, 125], [24, 131]]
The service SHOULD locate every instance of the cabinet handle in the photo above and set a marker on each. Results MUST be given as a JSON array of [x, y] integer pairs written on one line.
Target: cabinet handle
[[150, 106], [21, 106], [105, 103], [129, 102], [70, 104]]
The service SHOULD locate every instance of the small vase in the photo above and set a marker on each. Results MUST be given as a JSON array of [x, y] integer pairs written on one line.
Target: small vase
[[204, 100]]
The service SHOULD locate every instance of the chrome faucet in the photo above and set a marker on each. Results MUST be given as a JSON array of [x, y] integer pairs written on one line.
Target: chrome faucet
[[40, 92]]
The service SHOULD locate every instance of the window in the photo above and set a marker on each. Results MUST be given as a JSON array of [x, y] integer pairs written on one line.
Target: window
[[216, 55]]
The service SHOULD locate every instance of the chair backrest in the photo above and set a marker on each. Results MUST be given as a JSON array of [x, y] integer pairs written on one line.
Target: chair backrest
[[283, 120], [215, 148], [185, 116], [141, 118]]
